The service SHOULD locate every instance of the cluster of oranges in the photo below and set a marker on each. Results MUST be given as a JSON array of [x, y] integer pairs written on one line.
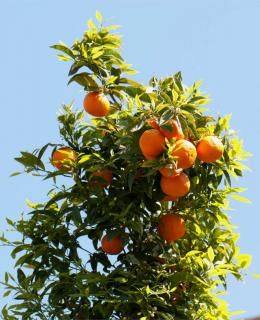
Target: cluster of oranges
[[174, 182]]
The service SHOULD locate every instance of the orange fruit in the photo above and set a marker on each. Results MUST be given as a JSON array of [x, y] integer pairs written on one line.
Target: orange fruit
[[176, 131], [169, 198], [185, 154], [169, 171], [210, 149], [149, 157], [177, 186], [63, 158], [113, 246], [171, 227], [106, 175], [152, 143], [96, 104], [153, 123]]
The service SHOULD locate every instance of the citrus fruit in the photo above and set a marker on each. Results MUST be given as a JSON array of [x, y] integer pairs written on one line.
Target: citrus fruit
[[177, 186], [105, 175], [152, 143], [169, 171], [210, 149], [176, 130], [96, 104], [171, 227], [113, 246], [169, 198], [63, 158], [153, 123], [185, 154]]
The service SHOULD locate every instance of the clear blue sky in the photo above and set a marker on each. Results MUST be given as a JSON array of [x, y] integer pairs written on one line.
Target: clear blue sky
[[216, 41]]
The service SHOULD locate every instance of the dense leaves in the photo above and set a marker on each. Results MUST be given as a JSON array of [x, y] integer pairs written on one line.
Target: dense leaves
[[58, 277]]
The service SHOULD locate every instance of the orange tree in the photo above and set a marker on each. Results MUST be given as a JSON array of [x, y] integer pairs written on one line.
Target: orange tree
[[149, 180]]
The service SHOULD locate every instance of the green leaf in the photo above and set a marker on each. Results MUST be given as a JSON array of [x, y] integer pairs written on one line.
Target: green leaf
[[7, 293], [167, 127], [132, 83], [63, 48], [130, 180], [63, 58], [76, 216], [21, 276], [97, 55], [244, 260], [239, 198], [147, 290], [42, 150], [57, 197], [111, 80], [25, 258], [235, 313], [15, 174], [10, 222], [99, 16], [84, 159], [165, 117], [3, 239], [91, 24], [85, 80], [30, 160], [211, 254], [114, 26], [75, 67], [227, 177], [19, 249]]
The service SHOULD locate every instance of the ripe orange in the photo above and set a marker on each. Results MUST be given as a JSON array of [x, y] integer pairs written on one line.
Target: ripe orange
[[63, 158], [169, 198], [149, 157], [210, 149], [169, 171], [152, 143], [96, 104], [177, 186], [185, 154], [176, 131], [114, 246], [171, 227], [106, 175], [153, 123]]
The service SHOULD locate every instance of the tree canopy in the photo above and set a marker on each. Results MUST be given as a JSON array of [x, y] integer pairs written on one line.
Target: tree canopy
[[58, 277]]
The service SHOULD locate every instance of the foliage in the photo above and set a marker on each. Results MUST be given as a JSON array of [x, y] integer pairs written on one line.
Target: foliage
[[57, 277]]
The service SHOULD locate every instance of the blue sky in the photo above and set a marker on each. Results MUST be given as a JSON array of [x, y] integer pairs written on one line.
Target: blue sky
[[216, 41]]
